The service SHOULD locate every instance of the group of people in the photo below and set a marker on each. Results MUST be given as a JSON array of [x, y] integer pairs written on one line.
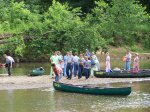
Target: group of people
[[85, 64], [80, 65], [69, 65]]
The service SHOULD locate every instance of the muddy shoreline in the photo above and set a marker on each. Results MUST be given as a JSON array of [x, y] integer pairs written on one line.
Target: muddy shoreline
[[27, 82]]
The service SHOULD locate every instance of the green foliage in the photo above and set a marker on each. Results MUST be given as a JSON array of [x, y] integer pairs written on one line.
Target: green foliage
[[146, 42], [15, 45], [39, 27], [135, 48], [63, 30], [121, 20]]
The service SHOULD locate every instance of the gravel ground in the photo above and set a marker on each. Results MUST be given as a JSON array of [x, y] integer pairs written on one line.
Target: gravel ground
[[27, 82]]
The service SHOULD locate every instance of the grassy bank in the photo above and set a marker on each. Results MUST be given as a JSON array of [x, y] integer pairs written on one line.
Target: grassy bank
[[119, 52]]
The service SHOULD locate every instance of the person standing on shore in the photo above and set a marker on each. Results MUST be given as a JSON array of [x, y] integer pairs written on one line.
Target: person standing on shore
[[136, 63], [54, 59], [81, 63], [88, 53], [128, 61], [60, 59], [108, 68], [75, 64], [96, 60], [69, 65], [94, 67], [65, 64], [9, 63], [87, 67]]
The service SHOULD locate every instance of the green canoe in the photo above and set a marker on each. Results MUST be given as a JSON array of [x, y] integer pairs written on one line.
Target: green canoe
[[122, 74], [37, 72], [91, 90]]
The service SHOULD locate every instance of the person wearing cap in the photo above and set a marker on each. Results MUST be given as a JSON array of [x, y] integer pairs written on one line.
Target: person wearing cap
[[136, 63]]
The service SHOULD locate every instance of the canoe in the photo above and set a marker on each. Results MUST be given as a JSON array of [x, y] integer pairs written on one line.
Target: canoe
[[37, 72], [91, 90], [122, 74]]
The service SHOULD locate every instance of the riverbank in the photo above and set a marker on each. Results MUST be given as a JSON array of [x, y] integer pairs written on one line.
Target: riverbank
[[115, 52], [27, 82]]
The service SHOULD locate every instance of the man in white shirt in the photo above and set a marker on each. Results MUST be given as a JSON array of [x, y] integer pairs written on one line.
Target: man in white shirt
[[75, 64], [9, 62]]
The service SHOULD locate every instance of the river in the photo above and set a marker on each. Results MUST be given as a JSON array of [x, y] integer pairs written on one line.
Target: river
[[24, 68], [50, 100]]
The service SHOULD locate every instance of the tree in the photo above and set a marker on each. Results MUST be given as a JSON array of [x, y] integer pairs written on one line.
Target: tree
[[15, 20], [121, 20]]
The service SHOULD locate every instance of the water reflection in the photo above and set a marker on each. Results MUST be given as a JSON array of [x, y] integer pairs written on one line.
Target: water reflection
[[50, 100]]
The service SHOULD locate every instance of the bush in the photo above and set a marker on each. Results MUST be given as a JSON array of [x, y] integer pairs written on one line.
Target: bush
[[146, 43]]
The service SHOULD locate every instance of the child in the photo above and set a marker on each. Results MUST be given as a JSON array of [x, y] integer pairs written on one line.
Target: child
[[136, 63]]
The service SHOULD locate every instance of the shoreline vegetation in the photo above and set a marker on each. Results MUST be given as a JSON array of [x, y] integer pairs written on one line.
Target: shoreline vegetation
[[27, 82], [32, 30], [115, 52]]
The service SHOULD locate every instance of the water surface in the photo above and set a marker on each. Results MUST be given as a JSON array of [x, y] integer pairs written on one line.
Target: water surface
[[50, 100]]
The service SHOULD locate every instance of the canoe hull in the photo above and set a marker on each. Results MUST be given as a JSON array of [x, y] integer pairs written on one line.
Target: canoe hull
[[37, 72], [89, 90], [100, 74]]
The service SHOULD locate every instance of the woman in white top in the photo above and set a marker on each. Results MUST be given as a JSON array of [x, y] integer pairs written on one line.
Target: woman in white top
[[108, 68]]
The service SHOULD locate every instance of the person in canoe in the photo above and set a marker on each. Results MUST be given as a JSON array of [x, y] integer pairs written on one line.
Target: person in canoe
[[108, 68], [9, 63], [58, 72], [136, 63]]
